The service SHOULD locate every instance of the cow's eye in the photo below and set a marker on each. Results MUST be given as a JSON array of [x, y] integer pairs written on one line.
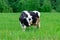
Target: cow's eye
[[29, 19]]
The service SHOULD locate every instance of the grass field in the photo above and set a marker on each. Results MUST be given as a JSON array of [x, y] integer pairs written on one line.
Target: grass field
[[10, 28]]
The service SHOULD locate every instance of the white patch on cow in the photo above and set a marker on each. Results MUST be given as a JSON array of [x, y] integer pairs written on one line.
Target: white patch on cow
[[26, 12], [37, 12], [28, 21], [24, 26]]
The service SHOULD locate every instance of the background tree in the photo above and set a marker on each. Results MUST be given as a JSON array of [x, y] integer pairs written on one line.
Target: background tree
[[58, 5], [4, 6], [30, 5]]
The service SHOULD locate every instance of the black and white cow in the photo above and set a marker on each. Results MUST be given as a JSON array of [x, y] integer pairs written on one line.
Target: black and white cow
[[28, 18]]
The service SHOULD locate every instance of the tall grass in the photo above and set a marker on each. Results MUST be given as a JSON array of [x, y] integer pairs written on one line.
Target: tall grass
[[10, 29]]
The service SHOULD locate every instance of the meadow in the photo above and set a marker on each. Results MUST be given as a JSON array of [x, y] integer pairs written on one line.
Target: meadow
[[10, 29]]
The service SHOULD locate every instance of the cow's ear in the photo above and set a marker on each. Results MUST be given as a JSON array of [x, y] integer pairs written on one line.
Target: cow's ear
[[37, 15]]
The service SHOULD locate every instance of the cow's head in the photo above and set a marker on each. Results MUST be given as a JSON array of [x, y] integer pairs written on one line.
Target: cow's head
[[28, 21]]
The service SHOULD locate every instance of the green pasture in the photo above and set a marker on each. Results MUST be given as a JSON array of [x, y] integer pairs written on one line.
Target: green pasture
[[10, 29]]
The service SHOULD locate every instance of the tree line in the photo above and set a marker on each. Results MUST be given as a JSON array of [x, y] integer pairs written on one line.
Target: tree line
[[30, 5]]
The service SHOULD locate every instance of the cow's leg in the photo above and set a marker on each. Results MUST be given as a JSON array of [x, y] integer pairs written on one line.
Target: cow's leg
[[38, 23], [23, 27]]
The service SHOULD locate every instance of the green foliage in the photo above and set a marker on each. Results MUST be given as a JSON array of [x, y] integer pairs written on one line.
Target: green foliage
[[4, 6], [20, 5], [1, 8], [58, 5], [28, 5], [13, 4], [46, 7], [32, 5], [53, 3]]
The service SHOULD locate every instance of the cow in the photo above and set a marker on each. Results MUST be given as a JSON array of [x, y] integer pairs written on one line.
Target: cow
[[28, 18]]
